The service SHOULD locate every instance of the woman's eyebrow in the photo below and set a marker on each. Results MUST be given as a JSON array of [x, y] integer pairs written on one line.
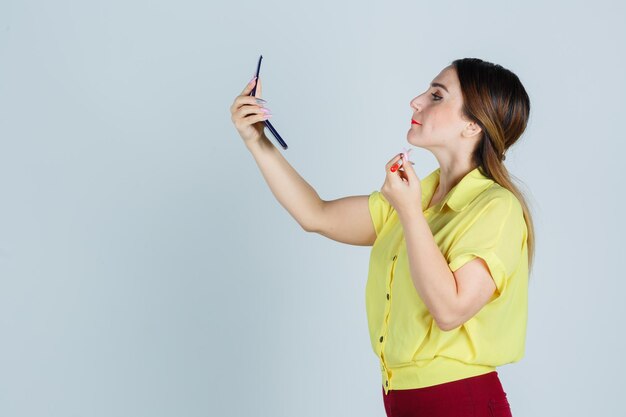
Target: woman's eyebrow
[[440, 85]]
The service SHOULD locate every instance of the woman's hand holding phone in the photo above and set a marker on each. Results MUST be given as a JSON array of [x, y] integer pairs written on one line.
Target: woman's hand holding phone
[[249, 112]]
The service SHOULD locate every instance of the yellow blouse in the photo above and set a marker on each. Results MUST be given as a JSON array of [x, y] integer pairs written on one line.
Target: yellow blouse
[[477, 218]]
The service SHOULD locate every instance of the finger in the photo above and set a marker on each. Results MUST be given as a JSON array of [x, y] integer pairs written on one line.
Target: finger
[[241, 101], [247, 100], [395, 176], [251, 109], [410, 172], [393, 161], [250, 119], [248, 88], [408, 167]]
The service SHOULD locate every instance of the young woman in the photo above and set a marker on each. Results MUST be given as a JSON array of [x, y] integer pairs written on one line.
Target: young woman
[[446, 295]]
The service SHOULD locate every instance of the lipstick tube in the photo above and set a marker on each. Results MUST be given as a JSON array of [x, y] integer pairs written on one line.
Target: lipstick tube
[[397, 165]]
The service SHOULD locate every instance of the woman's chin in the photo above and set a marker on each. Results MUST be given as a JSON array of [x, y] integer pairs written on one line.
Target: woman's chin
[[410, 137]]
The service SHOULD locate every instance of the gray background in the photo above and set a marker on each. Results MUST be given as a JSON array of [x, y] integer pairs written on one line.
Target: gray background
[[147, 270]]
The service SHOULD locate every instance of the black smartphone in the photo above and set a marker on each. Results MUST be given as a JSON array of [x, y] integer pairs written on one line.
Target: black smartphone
[[267, 122]]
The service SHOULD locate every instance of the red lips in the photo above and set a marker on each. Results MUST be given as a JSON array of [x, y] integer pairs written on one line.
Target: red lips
[[413, 122]]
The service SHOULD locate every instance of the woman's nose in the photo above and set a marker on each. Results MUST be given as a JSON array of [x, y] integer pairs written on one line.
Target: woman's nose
[[414, 104]]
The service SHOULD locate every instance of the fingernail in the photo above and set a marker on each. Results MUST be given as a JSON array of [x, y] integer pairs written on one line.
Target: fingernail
[[266, 111], [260, 101], [250, 82]]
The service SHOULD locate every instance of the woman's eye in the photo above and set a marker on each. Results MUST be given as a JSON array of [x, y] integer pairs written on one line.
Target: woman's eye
[[436, 97]]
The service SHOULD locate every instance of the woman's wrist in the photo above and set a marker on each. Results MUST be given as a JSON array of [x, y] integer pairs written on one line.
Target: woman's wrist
[[262, 143]]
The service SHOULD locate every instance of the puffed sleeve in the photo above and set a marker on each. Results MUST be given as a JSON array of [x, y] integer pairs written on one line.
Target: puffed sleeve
[[496, 234], [380, 209]]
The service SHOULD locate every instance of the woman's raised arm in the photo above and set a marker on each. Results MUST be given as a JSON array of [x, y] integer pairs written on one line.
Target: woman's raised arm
[[345, 220]]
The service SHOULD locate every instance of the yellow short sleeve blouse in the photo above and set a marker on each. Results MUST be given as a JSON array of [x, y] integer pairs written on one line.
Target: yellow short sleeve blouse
[[477, 218]]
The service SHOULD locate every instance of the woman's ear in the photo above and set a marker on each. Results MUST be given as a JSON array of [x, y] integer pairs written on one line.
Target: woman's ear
[[472, 129]]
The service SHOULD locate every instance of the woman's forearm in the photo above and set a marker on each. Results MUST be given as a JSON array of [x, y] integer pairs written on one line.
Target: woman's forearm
[[289, 188], [431, 275]]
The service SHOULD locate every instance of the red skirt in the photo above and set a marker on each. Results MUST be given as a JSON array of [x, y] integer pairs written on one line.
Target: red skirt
[[478, 396]]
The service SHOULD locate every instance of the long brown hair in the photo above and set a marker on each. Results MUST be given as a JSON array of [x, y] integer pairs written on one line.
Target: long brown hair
[[496, 100]]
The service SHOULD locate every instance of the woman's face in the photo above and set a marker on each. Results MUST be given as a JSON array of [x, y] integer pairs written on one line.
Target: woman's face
[[438, 110]]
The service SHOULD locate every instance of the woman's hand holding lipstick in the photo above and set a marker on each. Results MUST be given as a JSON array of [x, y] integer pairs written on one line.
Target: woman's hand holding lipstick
[[405, 158], [402, 188]]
